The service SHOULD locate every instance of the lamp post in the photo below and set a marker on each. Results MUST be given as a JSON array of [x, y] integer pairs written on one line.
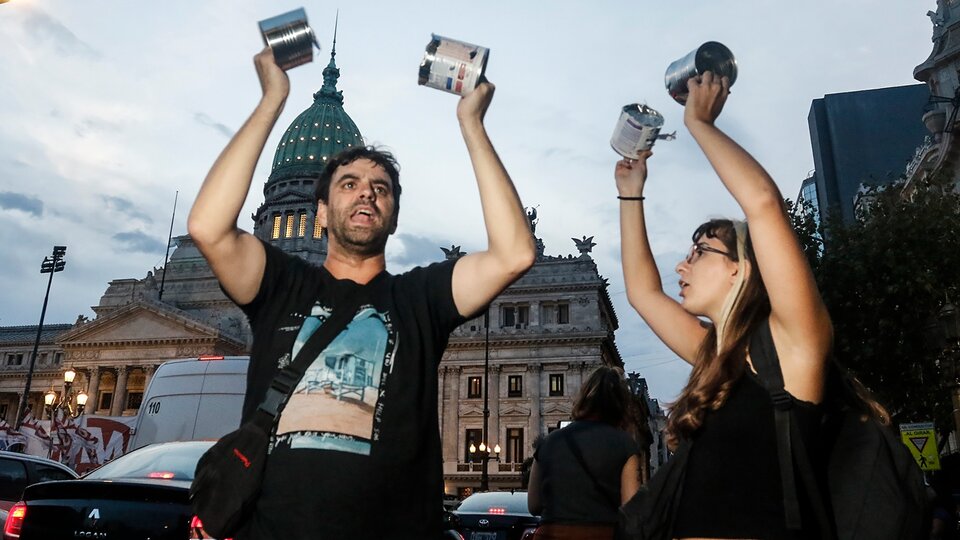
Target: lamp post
[[65, 403], [50, 265], [484, 455], [483, 451]]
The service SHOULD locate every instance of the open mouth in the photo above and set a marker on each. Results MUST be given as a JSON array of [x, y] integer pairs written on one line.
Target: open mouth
[[683, 285], [364, 213]]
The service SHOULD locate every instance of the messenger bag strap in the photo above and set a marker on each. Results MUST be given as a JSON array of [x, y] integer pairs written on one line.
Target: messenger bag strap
[[575, 449], [286, 381]]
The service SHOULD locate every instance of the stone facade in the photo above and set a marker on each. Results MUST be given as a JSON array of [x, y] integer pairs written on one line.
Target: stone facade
[[16, 347], [938, 155], [547, 333]]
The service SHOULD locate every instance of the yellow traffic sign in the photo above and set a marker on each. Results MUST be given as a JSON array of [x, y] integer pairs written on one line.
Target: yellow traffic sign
[[921, 440]]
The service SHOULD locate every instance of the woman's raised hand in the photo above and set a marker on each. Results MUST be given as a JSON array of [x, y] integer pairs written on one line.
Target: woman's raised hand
[[707, 95], [631, 175]]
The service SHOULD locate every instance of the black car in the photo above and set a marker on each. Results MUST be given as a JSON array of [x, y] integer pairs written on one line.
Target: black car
[[494, 515], [141, 495], [17, 471]]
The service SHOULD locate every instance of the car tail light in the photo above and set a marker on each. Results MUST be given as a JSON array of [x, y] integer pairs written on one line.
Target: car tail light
[[15, 521], [197, 532], [210, 357], [497, 510], [163, 475]]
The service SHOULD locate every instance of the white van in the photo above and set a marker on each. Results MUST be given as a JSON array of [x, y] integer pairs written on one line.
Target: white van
[[192, 399]]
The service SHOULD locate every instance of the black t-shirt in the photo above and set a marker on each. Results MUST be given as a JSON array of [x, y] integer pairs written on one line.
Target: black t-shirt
[[566, 490], [356, 451], [732, 485]]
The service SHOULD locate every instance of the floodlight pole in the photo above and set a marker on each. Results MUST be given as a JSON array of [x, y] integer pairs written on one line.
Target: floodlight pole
[[50, 265]]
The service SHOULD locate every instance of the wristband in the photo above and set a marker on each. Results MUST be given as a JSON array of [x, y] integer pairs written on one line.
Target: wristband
[[622, 198]]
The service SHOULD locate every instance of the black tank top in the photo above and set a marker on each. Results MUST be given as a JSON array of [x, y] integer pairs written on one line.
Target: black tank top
[[732, 485]]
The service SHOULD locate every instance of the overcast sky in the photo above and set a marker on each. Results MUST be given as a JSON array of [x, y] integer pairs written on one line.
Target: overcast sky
[[107, 108]]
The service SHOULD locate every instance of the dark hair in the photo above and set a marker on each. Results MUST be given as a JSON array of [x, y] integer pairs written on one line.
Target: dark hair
[[604, 397], [715, 371], [345, 157]]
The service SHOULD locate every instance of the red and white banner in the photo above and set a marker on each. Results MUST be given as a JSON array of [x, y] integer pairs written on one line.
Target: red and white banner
[[81, 443]]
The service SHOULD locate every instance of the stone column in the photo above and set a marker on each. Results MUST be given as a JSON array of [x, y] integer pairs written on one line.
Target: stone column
[[535, 313], [93, 388], [451, 418], [533, 427], [495, 437], [147, 375], [120, 391]]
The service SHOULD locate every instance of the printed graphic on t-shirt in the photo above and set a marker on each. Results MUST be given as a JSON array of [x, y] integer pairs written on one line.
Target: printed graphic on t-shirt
[[337, 404]]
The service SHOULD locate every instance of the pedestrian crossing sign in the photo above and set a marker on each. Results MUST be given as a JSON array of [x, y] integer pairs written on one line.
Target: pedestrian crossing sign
[[921, 440]]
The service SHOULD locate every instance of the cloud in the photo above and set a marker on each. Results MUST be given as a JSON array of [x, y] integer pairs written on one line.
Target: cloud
[[125, 207], [18, 201], [417, 250], [88, 125], [205, 120], [45, 28], [138, 242]]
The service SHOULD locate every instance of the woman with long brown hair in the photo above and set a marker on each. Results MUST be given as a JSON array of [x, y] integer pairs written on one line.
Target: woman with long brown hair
[[583, 472], [739, 276]]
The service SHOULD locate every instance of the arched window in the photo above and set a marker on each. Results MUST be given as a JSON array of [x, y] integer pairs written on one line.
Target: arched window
[[288, 232]]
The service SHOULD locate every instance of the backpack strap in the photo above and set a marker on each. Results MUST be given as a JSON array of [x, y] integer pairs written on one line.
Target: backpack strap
[[575, 449], [790, 446]]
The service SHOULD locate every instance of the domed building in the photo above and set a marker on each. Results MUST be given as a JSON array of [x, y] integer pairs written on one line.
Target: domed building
[[288, 216]]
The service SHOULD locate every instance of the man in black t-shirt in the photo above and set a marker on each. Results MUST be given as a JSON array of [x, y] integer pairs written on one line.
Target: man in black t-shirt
[[356, 450]]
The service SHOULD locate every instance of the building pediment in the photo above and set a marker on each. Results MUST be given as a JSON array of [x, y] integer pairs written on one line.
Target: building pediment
[[142, 321], [514, 410], [556, 408], [470, 411]]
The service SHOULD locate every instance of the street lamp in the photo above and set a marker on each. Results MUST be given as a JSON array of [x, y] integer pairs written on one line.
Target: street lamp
[[483, 454], [50, 265], [65, 404]]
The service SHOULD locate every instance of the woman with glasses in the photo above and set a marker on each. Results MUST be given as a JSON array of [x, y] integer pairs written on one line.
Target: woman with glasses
[[737, 277]]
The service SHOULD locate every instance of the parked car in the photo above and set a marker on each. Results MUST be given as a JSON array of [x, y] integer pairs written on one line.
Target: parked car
[[192, 399], [17, 471], [142, 494], [494, 515]]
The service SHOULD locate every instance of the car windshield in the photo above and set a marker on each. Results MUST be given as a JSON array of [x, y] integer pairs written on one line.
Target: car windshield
[[171, 461], [495, 502]]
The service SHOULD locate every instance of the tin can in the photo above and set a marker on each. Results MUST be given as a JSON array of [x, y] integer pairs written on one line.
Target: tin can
[[711, 56], [453, 66], [637, 129], [290, 37]]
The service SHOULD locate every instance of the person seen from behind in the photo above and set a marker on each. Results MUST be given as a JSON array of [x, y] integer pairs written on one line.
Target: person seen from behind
[[583, 472]]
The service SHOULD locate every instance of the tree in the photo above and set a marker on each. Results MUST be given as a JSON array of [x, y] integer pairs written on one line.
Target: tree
[[884, 279]]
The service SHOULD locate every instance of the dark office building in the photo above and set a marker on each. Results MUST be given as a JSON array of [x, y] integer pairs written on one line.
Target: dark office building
[[863, 137]]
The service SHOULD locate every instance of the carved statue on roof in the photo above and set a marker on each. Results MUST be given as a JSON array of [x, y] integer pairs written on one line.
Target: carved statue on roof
[[585, 245], [532, 218], [452, 253]]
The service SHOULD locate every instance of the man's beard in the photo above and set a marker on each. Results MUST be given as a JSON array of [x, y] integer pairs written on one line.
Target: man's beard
[[363, 241]]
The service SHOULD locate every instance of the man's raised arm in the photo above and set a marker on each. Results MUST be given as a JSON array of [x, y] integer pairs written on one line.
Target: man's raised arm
[[237, 257], [479, 277]]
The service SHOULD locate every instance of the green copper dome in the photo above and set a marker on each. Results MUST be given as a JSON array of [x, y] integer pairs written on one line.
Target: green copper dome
[[318, 133]]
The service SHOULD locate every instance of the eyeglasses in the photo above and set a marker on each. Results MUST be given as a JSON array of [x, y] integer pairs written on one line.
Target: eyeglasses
[[697, 251]]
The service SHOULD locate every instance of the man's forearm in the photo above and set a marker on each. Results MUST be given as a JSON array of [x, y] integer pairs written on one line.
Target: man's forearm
[[217, 208], [508, 231]]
